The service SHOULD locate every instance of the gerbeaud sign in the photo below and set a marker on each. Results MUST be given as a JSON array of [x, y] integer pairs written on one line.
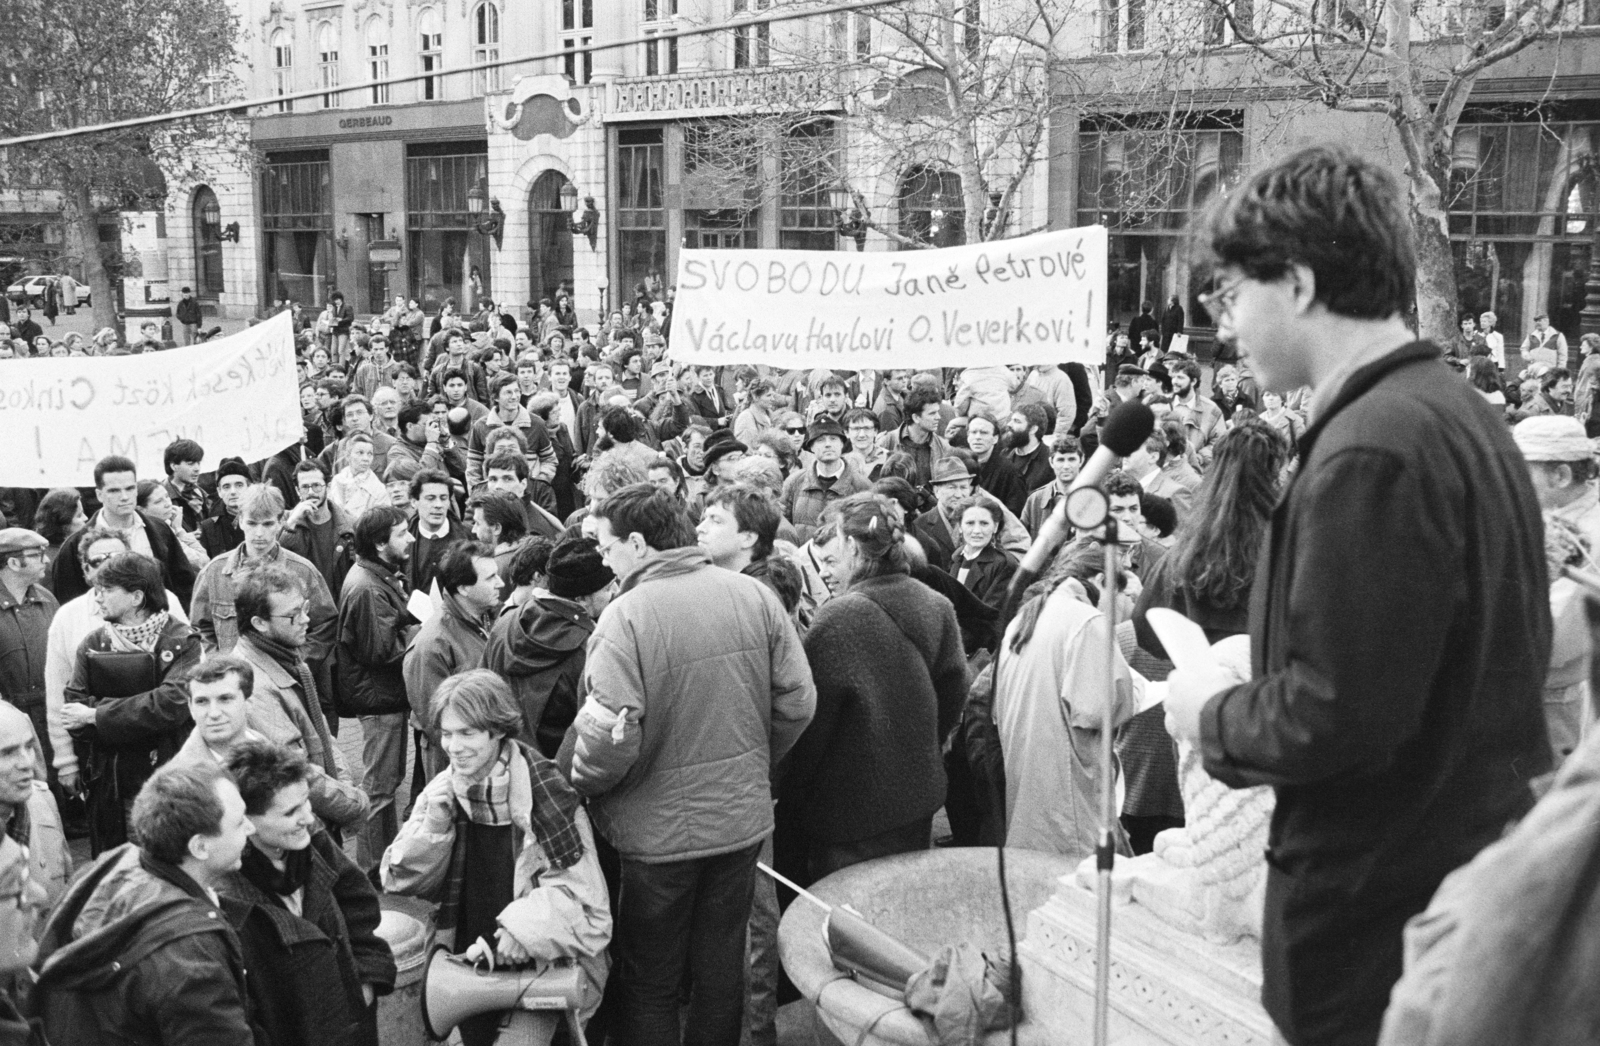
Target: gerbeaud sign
[[237, 396], [1035, 299]]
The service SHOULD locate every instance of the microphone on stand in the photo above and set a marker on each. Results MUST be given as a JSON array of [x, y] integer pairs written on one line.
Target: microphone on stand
[[1124, 431]]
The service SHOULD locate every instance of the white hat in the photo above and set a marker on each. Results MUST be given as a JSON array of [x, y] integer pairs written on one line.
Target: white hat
[[1552, 437]]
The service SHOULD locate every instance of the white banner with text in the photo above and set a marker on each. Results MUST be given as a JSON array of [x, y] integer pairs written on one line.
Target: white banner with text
[[236, 396], [1034, 299]]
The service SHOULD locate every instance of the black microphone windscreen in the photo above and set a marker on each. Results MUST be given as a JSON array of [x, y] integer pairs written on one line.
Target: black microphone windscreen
[[1127, 427]]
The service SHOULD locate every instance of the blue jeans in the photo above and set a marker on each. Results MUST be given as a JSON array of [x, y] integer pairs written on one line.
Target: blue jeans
[[676, 918]]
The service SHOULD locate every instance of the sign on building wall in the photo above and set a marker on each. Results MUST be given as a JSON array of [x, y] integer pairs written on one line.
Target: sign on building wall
[[236, 396], [1034, 299]]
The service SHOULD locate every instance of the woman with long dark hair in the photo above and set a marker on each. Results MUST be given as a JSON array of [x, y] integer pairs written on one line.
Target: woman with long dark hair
[[1206, 577], [867, 776]]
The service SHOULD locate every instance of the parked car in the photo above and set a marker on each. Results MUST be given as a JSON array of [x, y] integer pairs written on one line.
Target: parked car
[[30, 291]]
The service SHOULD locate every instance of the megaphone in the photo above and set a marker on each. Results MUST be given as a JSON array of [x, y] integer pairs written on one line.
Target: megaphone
[[453, 990]]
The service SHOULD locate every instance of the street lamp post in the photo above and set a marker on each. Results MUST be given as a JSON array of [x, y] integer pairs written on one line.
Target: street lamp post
[[847, 217]]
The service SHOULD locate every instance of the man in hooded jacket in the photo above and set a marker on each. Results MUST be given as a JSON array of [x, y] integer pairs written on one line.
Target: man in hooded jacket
[[539, 648]]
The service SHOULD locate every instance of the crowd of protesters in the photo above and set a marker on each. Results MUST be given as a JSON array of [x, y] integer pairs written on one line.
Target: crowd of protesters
[[634, 625]]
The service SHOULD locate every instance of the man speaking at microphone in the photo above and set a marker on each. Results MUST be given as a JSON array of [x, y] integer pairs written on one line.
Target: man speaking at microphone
[[1399, 624]]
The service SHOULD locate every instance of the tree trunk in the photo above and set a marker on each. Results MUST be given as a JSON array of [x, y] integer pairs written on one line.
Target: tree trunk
[[82, 227], [1436, 280], [1437, 303]]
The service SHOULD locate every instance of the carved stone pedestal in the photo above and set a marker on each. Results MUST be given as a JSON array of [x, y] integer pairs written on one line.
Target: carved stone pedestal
[[1168, 988]]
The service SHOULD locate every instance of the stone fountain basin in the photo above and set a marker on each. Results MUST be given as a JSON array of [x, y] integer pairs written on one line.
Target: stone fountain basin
[[927, 900]]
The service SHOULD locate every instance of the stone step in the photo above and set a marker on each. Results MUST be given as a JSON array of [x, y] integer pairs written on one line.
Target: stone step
[[1168, 988]]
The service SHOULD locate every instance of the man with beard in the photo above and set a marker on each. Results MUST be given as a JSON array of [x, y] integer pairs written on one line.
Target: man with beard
[[995, 474], [130, 725], [317, 529], [1200, 416], [374, 629], [1024, 448]]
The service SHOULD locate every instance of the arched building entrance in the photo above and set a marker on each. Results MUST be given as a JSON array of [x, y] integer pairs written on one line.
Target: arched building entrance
[[549, 237]]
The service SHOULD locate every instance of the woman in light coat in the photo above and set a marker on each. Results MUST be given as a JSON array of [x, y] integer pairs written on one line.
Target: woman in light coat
[[540, 897]]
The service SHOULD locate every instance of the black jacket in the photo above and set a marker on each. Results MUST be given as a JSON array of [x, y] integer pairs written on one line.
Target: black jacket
[[136, 953], [142, 725], [66, 578], [1400, 633], [987, 575], [539, 649], [374, 629], [305, 971]]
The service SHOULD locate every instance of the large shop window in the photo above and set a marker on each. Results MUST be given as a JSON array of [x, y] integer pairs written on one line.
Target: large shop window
[[297, 219], [641, 213], [722, 186], [448, 257], [807, 169], [1524, 200], [1144, 180]]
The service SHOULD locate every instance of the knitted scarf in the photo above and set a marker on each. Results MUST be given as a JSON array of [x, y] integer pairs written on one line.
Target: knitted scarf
[[552, 817], [488, 799], [290, 659], [259, 869], [144, 636]]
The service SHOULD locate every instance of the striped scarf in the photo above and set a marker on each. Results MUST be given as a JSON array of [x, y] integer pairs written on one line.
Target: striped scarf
[[488, 800], [551, 816]]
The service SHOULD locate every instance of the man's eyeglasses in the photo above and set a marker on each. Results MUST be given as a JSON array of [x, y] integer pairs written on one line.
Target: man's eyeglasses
[[97, 562], [795, 432], [299, 613], [1219, 302]]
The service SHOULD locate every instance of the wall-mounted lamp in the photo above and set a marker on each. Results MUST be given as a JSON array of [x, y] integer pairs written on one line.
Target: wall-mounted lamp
[[492, 224], [588, 223], [343, 240], [229, 233], [847, 217]]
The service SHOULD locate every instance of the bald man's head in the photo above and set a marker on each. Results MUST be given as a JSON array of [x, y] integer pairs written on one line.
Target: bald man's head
[[19, 753]]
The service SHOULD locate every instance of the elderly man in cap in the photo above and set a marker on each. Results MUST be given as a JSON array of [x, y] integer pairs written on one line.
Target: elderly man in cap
[[951, 482], [1561, 464], [827, 478], [26, 609]]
